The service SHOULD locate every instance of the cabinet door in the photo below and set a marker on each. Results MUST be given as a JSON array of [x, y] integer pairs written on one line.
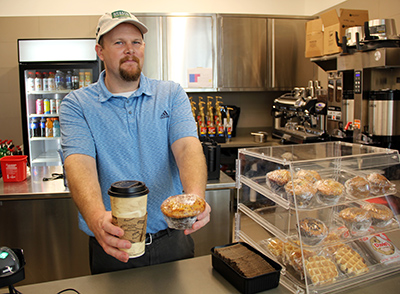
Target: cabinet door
[[189, 43], [288, 66], [242, 53], [153, 65]]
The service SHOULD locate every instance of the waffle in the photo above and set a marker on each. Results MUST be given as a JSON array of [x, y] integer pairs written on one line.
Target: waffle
[[276, 247], [293, 255], [332, 243], [350, 261], [321, 270]]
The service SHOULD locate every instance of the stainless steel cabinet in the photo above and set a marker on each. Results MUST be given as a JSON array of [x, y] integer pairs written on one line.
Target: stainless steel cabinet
[[175, 44], [242, 53], [288, 66]]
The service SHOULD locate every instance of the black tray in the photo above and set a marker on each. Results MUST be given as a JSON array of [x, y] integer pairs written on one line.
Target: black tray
[[243, 284]]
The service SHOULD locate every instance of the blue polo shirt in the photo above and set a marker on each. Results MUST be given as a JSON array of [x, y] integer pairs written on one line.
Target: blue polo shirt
[[130, 138]]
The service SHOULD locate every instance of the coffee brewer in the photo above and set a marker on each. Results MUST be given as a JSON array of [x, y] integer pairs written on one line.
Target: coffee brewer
[[299, 116]]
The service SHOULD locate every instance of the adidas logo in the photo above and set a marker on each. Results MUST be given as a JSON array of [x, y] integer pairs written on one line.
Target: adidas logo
[[164, 115]]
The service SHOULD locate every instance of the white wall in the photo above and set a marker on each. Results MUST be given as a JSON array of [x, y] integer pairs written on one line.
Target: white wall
[[93, 7]]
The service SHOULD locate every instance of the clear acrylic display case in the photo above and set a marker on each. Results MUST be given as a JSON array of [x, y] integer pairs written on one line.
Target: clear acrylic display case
[[321, 248]]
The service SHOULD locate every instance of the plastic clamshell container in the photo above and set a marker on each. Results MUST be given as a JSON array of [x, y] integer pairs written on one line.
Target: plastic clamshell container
[[243, 284], [13, 168]]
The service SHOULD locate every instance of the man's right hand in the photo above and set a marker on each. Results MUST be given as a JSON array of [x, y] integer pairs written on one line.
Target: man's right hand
[[108, 236]]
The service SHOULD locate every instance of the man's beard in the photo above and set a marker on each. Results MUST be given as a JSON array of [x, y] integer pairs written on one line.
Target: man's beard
[[131, 75]]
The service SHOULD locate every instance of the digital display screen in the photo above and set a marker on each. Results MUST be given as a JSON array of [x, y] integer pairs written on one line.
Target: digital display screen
[[3, 255], [358, 74]]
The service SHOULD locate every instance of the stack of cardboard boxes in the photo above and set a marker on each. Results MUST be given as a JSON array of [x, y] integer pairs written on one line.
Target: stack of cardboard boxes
[[321, 32]]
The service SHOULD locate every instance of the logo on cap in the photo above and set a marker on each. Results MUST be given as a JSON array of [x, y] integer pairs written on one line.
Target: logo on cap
[[120, 13]]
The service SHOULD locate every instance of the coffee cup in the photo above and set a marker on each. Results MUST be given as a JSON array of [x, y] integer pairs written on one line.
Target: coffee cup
[[129, 212]]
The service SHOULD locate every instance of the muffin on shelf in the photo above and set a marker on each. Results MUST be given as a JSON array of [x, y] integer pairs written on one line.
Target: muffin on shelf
[[356, 220], [277, 179], [380, 184], [181, 211], [310, 175], [381, 215], [312, 231], [301, 190], [329, 191], [357, 187]]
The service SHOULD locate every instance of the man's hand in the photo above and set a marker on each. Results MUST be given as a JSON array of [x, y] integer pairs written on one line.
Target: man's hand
[[202, 219], [108, 236]]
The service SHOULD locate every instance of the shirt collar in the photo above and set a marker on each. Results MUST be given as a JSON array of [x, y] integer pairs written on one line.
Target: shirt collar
[[144, 88]]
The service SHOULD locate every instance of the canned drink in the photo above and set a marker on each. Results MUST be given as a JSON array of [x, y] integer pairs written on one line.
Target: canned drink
[[81, 79], [58, 102], [46, 103], [88, 78], [39, 106], [53, 106]]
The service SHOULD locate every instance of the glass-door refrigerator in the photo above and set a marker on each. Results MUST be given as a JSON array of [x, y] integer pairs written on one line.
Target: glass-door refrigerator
[[49, 69]]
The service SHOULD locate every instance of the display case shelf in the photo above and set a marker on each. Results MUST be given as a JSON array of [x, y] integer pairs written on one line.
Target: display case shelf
[[48, 92], [269, 218]]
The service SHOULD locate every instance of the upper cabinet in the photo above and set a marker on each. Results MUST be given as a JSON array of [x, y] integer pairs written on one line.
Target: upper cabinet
[[242, 53]]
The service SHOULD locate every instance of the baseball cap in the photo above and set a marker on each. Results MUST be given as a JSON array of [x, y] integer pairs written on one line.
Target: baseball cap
[[110, 20]]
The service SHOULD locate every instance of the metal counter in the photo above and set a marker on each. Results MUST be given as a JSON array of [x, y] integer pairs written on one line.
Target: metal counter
[[41, 218], [194, 275]]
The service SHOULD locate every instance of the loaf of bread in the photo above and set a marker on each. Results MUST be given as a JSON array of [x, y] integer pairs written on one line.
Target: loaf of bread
[[244, 261]]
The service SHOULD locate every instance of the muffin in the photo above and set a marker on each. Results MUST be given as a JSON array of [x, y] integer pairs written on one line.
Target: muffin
[[312, 231], [381, 215], [302, 189], [329, 191], [380, 184], [181, 211], [356, 219], [310, 175], [277, 179], [357, 187]]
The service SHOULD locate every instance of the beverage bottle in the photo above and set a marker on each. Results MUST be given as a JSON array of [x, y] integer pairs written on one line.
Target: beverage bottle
[[60, 80], [68, 80], [53, 109], [81, 79], [45, 81], [46, 103], [56, 128], [42, 125], [49, 127], [58, 102], [39, 106], [88, 78], [51, 81], [34, 128], [75, 80], [30, 83], [38, 82]]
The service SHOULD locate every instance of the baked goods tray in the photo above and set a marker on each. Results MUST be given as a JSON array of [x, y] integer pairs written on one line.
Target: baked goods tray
[[244, 284]]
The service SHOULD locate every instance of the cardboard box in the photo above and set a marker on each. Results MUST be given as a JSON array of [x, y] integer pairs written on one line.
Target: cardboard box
[[333, 23], [314, 38]]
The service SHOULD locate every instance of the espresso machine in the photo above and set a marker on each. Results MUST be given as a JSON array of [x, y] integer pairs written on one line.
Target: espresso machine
[[299, 116]]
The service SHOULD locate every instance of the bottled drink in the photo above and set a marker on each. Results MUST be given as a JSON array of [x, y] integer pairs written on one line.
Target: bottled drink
[[53, 109], [81, 79], [58, 102], [45, 81], [88, 78], [42, 125], [39, 106], [34, 128], [30, 83], [51, 81], [38, 82], [49, 127], [75, 80], [46, 103], [68, 80], [60, 80], [56, 128]]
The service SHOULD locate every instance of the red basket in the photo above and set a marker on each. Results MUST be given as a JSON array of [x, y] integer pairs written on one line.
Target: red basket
[[13, 168]]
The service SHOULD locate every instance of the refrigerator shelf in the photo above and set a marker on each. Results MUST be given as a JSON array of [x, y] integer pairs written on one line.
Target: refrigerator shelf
[[47, 158], [49, 92], [43, 115], [45, 138]]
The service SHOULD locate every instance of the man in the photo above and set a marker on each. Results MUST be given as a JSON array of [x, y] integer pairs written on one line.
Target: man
[[129, 127]]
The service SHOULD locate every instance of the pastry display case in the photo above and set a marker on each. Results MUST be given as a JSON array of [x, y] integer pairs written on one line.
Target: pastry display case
[[327, 212]]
